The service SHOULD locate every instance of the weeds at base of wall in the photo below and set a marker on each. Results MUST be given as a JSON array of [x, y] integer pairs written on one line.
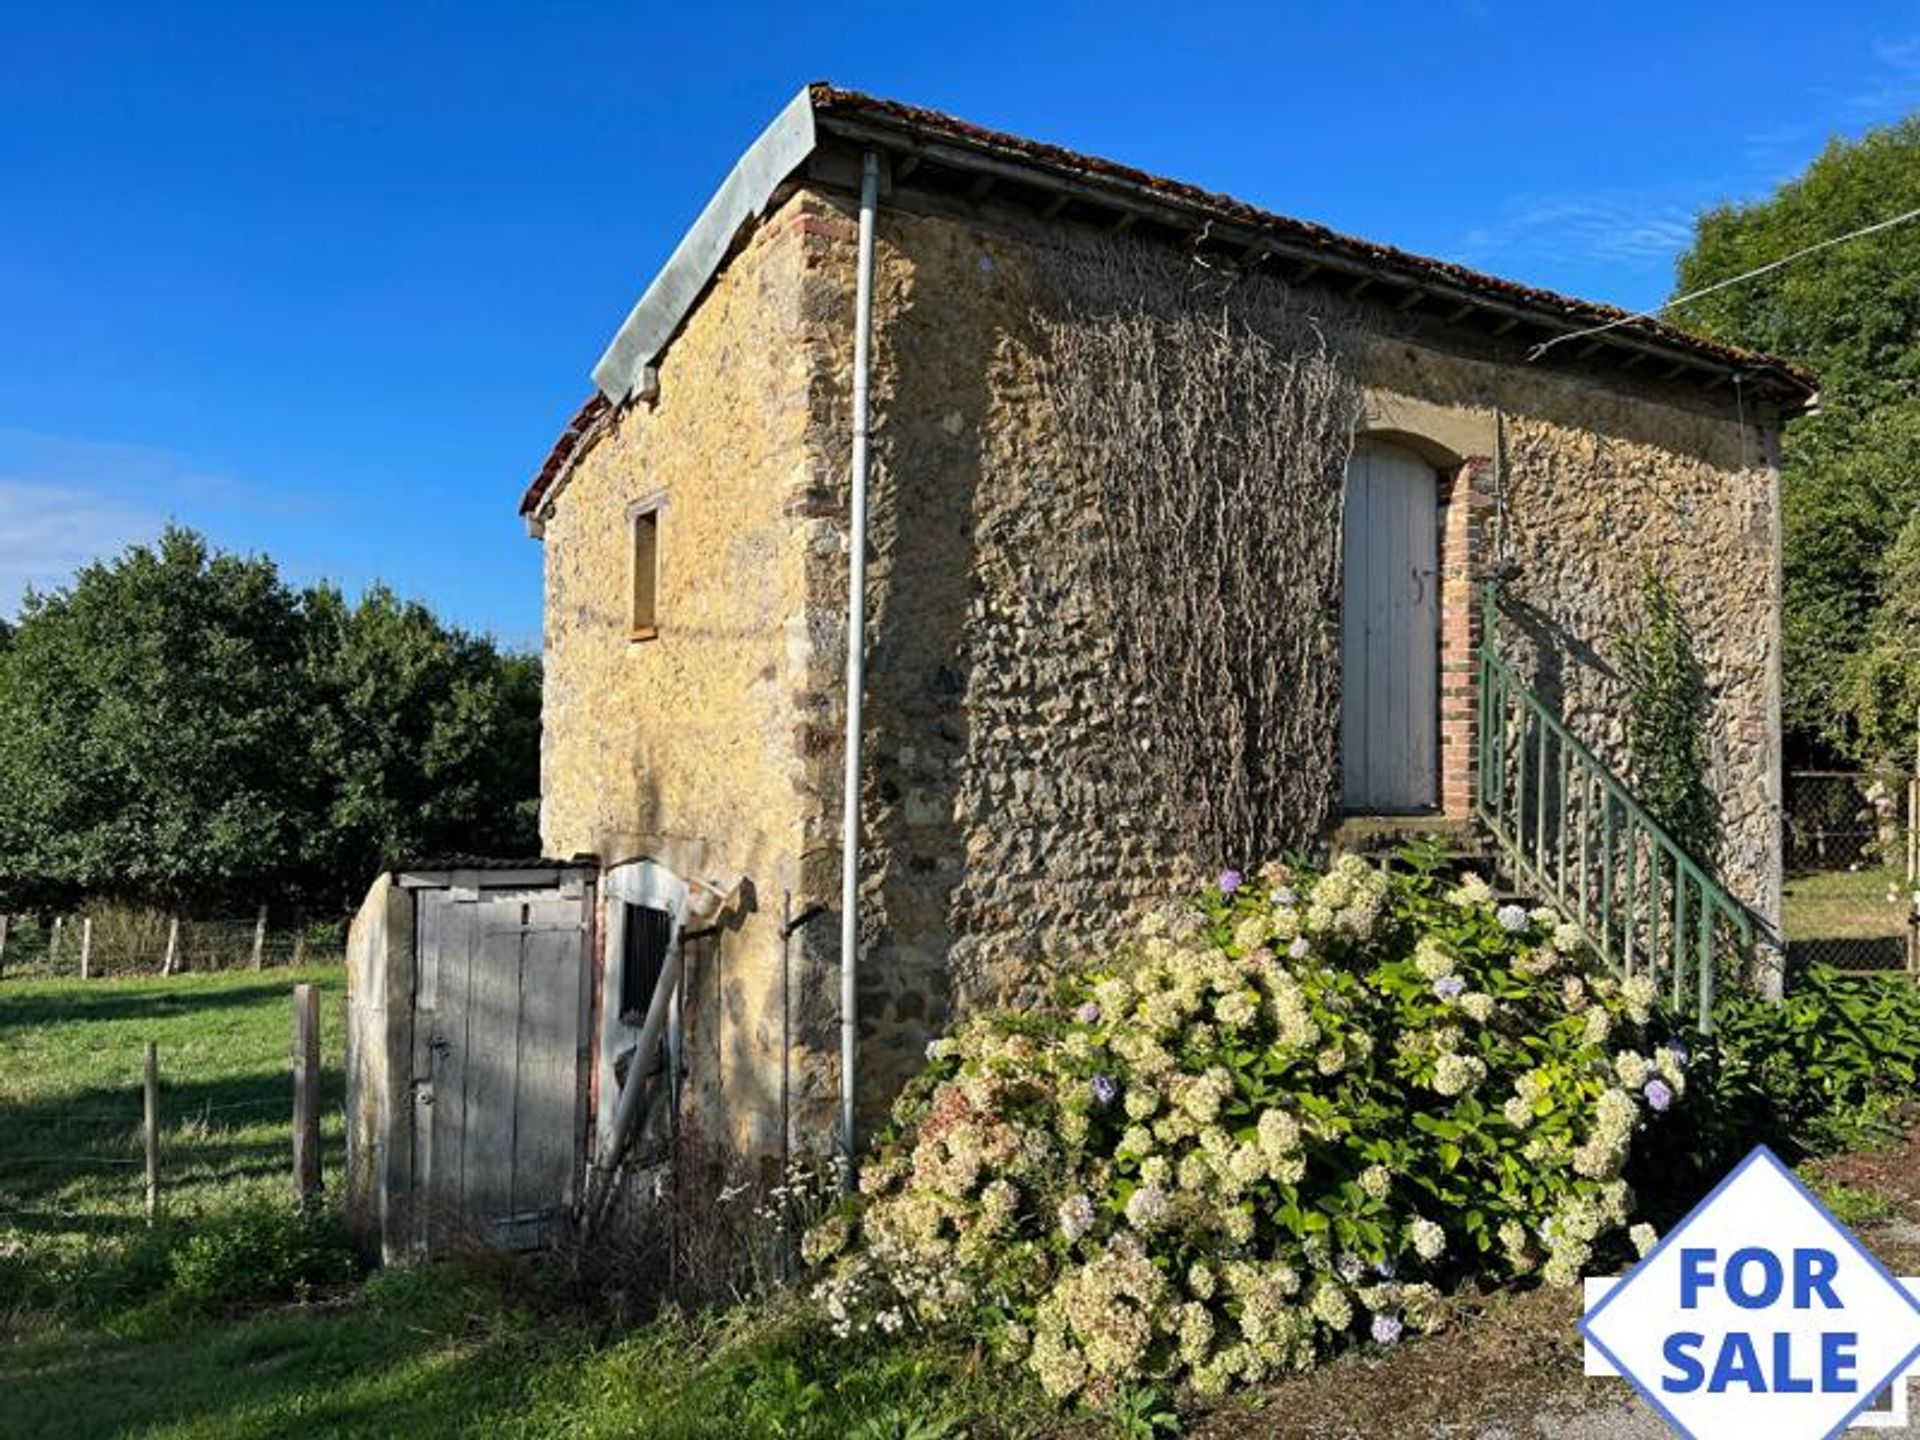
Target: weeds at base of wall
[[221, 1263]]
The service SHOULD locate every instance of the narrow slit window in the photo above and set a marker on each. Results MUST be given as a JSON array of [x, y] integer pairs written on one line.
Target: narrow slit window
[[643, 958], [644, 620]]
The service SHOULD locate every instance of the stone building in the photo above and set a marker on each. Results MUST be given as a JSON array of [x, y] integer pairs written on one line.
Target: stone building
[[695, 519]]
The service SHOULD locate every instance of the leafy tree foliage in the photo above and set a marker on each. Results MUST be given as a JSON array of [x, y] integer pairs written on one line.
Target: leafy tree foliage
[[1852, 472], [181, 728], [424, 740], [1880, 684]]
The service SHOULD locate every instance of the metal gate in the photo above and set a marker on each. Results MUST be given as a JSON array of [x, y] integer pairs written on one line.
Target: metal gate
[[500, 1031]]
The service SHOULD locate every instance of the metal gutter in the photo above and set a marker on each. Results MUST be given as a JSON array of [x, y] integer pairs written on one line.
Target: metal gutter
[[856, 665]]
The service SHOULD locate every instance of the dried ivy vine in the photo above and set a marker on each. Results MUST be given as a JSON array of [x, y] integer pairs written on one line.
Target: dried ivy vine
[[1213, 418]]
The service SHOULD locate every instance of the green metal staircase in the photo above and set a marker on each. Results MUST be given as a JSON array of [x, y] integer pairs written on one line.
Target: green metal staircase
[[1569, 831]]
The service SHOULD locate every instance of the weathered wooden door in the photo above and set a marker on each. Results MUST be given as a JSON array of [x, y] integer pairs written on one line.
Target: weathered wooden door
[[1390, 638], [499, 1024]]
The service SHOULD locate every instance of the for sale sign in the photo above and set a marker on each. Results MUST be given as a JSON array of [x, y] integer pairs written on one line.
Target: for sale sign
[[1759, 1316]]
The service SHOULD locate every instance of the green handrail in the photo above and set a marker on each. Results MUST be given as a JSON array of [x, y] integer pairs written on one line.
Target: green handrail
[[1572, 831]]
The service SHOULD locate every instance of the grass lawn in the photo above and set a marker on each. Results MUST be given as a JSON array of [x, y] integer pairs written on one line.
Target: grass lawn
[[71, 1056], [93, 1342], [1849, 919]]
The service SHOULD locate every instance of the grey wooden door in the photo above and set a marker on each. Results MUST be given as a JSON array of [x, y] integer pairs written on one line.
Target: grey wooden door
[[499, 1022], [1390, 637]]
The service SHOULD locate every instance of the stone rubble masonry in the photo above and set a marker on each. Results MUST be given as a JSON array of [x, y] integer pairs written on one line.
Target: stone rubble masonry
[[1000, 841]]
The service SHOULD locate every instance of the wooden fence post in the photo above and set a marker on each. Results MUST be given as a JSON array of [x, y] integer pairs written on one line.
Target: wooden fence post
[[260, 939], [86, 946], [306, 1094], [173, 946], [152, 1132], [53, 945], [3, 945]]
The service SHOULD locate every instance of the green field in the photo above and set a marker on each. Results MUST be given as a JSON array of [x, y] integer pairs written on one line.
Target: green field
[[99, 1338]]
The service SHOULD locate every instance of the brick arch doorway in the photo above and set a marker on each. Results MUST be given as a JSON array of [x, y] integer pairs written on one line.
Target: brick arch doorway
[[1390, 633]]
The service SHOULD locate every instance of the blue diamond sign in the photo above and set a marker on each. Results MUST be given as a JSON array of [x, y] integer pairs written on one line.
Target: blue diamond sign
[[1758, 1316]]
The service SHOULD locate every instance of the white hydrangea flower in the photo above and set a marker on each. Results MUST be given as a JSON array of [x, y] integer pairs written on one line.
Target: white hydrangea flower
[[1148, 1208], [1277, 1132], [1599, 1026], [1429, 1240], [1431, 959], [1376, 1181], [1457, 1074], [1471, 891], [1076, 1216]]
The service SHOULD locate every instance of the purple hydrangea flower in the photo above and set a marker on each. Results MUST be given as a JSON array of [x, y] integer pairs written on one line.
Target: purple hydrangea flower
[[1299, 948], [1285, 895], [1105, 1088], [1658, 1094], [1230, 881], [1512, 918], [1449, 987], [1386, 1329], [1088, 1014], [1385, 1269]]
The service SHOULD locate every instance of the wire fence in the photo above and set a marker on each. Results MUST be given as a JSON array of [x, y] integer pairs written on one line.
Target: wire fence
[[108, 942], [1851, 870], [118, 1152]]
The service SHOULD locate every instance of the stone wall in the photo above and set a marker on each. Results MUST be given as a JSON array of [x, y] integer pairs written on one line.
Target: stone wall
[[1594, 485], [692, 747], [1005, 831]]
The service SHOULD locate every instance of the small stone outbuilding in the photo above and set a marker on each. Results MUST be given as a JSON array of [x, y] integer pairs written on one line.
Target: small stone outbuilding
[[1047, 329]]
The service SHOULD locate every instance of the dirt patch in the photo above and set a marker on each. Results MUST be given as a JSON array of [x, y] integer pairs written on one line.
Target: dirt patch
[[1502, 1360], [1892, 1171]]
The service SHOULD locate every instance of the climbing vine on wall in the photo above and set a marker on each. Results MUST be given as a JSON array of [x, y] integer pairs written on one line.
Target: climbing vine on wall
[[1214, 418], [1667, 719]]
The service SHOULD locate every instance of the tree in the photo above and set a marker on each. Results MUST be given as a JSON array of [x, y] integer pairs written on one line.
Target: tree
[[1880, 684], [150, 746], [1852, 473], [425, 740], [180, 728]]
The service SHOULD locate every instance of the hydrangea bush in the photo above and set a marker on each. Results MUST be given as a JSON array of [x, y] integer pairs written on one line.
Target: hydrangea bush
[[1283, 1121]]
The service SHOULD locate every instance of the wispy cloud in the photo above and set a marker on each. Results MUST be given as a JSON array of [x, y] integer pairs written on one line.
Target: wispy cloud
[[1621, 228], [48, 531], [65, 501], [1889, 86]]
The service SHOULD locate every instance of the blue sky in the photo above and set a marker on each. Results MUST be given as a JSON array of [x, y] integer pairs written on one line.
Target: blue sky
[[325, 281]]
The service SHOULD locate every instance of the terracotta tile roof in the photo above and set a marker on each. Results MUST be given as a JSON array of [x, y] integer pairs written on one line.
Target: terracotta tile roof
[[914, 121], [563, 451], [910, 128]]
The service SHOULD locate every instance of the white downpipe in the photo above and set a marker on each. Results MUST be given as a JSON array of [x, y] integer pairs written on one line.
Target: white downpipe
[[856, 665]]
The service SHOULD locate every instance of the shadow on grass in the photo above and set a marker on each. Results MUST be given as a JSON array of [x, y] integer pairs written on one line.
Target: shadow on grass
[[76, 1004], [345, 1372], [92, 1138]]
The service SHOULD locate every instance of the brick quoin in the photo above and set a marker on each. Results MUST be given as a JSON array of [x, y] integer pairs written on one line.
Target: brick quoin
[[1465, 496]]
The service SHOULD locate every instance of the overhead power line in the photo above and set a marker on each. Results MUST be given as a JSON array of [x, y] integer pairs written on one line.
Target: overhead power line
[[1537, 351]]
